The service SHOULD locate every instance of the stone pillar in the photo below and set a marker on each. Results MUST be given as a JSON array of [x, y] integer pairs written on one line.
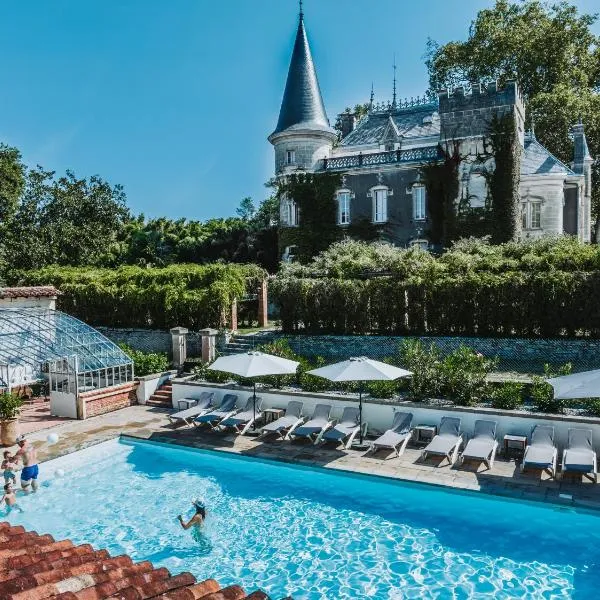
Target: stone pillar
[[179, 345], [263, 301], [209, 344], [234, 315]]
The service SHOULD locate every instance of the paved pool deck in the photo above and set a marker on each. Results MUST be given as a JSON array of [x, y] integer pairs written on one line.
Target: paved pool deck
[[149, 423]]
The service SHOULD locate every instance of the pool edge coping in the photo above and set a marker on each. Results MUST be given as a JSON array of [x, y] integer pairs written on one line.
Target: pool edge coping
[[572, 505]]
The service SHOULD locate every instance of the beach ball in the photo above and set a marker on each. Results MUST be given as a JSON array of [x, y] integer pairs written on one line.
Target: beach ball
[[60, 473], [52, 438]]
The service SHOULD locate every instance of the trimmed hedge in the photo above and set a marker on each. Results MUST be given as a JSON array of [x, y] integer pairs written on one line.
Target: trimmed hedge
[[193, 296], [522, 304]]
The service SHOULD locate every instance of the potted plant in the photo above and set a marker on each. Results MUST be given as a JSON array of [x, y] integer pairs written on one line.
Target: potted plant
[[10, 406]]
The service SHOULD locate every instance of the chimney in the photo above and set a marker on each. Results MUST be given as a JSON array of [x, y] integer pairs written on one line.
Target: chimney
[[347, 122]]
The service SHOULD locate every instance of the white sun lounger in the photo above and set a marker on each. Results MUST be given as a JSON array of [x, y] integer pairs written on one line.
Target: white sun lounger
[[483, 445], [315, 427], [346, 429], [243, 420], [226, 409], [286, 424], [187, 416], [397, 436], [580, 457], [541, 453], [447, 442]]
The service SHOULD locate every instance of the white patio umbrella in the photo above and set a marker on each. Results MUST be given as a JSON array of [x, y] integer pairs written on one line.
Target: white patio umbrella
[[254, 364], [360, 369], [577, 385]]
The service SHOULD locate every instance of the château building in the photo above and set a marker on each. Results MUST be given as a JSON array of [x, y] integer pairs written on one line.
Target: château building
[[381, 156]]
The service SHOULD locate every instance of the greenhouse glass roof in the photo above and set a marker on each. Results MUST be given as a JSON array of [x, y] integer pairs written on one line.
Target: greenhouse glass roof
[[33, 336]]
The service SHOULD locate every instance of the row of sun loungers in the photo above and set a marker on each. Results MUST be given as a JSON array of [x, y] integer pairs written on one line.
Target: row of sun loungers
[[541, 454]]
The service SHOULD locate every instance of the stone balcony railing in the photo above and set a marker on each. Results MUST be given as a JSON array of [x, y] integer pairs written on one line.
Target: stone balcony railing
[[380, 158]]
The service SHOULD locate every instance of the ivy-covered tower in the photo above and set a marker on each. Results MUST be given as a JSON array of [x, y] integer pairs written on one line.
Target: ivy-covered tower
[[303, 135]]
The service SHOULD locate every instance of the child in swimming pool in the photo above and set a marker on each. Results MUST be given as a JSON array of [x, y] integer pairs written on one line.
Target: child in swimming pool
[[198, 519], [10, 499], [8, 466]]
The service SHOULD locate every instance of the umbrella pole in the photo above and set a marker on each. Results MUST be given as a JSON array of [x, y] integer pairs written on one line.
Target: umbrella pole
[[360, 412], [254, 406]]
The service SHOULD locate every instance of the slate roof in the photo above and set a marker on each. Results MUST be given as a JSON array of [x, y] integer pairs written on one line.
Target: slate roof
[[536, 160], [35, 566], [42, 291], [302, 105], [409, 123]]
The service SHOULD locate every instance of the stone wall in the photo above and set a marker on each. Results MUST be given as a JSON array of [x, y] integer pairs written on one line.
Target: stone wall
[[151, 340], [515, 355]]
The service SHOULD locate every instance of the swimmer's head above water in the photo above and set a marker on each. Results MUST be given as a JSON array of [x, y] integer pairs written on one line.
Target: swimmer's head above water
[[200, 509]]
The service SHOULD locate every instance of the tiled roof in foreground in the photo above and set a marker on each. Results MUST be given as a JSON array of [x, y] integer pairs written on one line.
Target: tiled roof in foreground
[[34, 567]]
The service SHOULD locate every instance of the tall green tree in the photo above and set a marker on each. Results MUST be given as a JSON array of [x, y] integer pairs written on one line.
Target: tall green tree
[[553, 54], [12, 181]]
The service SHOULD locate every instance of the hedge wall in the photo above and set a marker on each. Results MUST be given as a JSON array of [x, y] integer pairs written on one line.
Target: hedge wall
[[546, 304], [193, 296]]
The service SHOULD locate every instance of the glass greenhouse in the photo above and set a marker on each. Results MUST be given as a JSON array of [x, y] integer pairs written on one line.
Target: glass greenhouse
[[42, 344]]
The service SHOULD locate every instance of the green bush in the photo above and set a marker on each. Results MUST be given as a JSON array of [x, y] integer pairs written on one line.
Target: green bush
[[10, 406], [472, 289], [592, 406], [424, 363], [146, 363], [383, 389], [193, 296], [507, 395], [463, 375], [542, 393]]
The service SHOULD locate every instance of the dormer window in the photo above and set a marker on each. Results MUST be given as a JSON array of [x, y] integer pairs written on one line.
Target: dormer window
[[290, 157], [343, 197], [419, 203]]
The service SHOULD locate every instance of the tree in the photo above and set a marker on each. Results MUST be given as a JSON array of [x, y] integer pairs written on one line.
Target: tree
[[246, 210], [552, 53], [12, 181]]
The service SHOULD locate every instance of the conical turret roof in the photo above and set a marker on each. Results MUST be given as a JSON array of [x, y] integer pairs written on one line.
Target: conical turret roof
[[302, 105]]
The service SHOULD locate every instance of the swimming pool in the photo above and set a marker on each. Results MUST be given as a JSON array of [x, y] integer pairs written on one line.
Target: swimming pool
[[313, 534]]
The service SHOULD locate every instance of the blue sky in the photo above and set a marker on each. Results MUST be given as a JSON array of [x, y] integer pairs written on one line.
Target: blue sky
[[175, 99]]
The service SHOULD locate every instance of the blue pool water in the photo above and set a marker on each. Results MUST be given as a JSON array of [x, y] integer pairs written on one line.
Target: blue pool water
[[310, 533]]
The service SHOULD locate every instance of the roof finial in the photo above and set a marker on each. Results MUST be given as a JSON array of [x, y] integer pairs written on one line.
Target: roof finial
[[532, 128], [394, 94], [301, 11], [372, 96]]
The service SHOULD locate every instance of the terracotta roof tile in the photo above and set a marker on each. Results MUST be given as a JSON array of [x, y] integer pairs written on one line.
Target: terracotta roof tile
[[36, 567], [40, 291]]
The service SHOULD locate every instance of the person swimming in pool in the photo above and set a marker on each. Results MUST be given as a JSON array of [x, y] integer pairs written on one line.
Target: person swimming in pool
[[198, 518], [10, 499]]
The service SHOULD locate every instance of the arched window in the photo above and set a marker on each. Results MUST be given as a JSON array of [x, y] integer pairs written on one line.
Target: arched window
[[419, 202], [343, 198], [289, 213], [379, 196]]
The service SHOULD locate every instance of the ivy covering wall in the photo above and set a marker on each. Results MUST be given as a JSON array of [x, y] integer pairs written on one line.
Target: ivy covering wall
[[315, 197], [193, 296], [504, 180]]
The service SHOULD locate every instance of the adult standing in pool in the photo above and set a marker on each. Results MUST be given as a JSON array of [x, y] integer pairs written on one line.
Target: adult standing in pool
[[198, 519], [28, 454]]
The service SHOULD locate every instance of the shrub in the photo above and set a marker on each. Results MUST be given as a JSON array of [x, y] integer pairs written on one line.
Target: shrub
[[542, 393], [507, 395], [383, 389], [424, 362], [187, 295], [463, 374], [203, 373], [593, 406], [146, 363], [10, 405]]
